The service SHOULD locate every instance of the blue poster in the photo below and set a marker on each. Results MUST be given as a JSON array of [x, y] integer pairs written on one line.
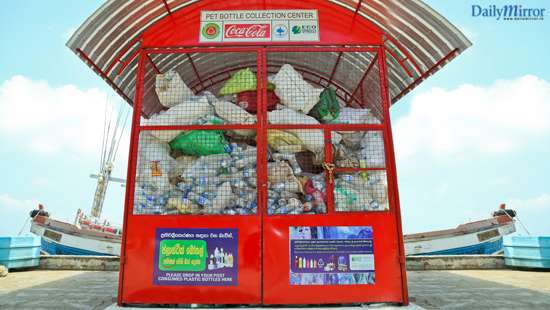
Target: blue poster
[[331, 255]]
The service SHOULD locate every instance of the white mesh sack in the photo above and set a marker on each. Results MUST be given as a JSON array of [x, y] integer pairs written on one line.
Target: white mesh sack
[[294, 91], [170, 89], [184, 113]]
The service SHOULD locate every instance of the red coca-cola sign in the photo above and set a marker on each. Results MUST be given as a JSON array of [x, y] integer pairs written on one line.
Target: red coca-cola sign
[[247, 31]]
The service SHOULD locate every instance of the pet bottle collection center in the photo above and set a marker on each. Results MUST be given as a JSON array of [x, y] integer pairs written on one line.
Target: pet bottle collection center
[[261, 167]]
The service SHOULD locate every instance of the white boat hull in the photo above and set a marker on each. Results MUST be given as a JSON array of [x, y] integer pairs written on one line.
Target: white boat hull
[[58, 242], [485, 241]]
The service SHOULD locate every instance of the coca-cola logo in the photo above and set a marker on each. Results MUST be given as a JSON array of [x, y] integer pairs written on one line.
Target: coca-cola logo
[[247, 31]]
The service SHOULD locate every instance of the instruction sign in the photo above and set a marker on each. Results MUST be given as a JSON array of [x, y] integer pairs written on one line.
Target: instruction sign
[[331, 255], [259, 26], [196, 256]]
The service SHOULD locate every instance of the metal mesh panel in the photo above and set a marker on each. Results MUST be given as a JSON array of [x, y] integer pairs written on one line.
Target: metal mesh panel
[[183, 168], [360, 149], [301, 78], [186, 168], [361, 191], [296, 181], [195, 73], [371, 91], [171, 182]]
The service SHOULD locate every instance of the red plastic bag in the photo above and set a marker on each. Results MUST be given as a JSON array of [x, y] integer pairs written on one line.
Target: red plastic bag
[[248, 101]]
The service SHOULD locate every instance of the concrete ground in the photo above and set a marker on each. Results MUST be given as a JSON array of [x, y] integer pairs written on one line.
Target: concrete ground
[[467, 289]]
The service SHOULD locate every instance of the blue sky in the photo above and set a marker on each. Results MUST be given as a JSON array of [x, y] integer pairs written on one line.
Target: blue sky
[[474, 135]]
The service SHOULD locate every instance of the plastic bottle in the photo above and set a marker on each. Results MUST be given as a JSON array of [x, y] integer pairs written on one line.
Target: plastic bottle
[[200, 200], [224, 197], [211, 262], [293, 204], [217, 257], [230, 260], [291, 158]]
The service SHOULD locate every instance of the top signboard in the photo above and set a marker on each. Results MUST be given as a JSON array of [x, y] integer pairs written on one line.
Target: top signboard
[[259, 26]]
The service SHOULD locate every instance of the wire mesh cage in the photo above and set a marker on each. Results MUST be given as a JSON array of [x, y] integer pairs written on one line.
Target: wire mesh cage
[[361, 191], [296, 179], [197, 148], [205, 123], [173, 179]]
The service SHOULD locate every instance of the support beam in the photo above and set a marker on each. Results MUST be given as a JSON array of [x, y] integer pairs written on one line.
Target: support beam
[[153, 64], [167, 7], [195, 69], [426, 74], [122, 52], [103, 75], [335, 67], [373, 62], [358, 7]]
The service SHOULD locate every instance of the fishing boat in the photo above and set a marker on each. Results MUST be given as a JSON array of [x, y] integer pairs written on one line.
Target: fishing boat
[[83, 238], [479, 237], [87, 234]]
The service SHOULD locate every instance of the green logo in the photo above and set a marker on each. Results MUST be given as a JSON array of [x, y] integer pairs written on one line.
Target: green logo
[[182, 255], [211, 31], [296, 29]]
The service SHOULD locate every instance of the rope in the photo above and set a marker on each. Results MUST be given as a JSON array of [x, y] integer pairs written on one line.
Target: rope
[[329, 168], [103, 137], [22, 228], [121, 132], [519, 221]]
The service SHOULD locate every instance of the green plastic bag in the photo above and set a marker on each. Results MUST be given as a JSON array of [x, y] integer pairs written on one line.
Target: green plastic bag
[[328, 108], [200, 143], [243, 80]]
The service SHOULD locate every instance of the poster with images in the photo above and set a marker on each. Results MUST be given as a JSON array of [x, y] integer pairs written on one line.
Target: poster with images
[[196, 256], [331, 255]]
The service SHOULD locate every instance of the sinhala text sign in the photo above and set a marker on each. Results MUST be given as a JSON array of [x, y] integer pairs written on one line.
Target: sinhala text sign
[[259, 26], [196, 256]]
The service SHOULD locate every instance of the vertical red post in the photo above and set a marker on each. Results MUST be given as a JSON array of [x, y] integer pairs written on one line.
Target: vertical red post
[[393, 191], [329, 175], [261, 147], [132, 161]]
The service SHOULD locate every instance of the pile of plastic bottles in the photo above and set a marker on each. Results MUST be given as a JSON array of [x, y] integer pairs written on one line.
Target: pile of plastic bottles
[[215, 171], [310, 200], [364, 191], [213, 184]]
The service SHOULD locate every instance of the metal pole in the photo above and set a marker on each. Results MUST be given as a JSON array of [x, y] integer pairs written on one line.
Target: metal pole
[[393, 192], [132, 161]]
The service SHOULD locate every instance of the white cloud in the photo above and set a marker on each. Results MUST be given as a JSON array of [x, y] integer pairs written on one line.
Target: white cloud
[[533, 204], [9, 203], [46, 119], [499, 118]]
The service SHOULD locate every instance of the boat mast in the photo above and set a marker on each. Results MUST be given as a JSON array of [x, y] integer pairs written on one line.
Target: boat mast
[[112, 134]]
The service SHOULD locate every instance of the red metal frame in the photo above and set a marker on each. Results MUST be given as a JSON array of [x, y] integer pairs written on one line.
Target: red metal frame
[[272, 285], [391, 164], [132, 163], [360, 84], [263, 263], [426, 74], [103, 75]]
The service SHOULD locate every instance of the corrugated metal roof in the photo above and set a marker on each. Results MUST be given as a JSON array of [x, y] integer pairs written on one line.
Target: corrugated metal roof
[[422, 39]]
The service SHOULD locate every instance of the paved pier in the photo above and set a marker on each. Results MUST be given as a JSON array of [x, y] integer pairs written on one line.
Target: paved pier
[[464, 289]]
